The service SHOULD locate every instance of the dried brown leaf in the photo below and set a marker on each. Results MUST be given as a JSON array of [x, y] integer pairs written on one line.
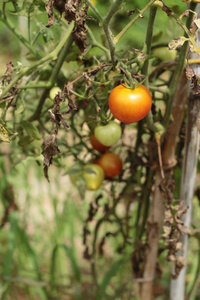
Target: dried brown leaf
[[60, 5], [49, 149], [74, 12], [171, 257], [179, 246], [70, 10], [168, 216], [49, 9], [167, 230], [181, 261], [177, 42], [181, 212], [131, 12]]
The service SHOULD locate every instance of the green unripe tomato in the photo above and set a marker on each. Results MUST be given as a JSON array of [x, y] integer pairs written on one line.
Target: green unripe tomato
[[108, 134], [54, 91], [164, 54]]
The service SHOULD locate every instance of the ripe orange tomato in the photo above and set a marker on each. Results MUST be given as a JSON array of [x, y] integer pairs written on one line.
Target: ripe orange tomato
[[97, 145], [111, 163], [130, 105]]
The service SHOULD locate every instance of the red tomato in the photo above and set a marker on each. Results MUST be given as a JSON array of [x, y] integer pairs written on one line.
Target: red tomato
[[111, 163], [97, 145], [130, 105]]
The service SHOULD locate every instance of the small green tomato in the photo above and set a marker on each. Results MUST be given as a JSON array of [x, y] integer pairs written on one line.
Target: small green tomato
[[108, 134], [54, 91]]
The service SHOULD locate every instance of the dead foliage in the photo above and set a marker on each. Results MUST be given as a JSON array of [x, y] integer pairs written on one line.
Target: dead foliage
[[74, 10], [49, 149], [56, 116], [194, 80], [6, 80], [174, 228]]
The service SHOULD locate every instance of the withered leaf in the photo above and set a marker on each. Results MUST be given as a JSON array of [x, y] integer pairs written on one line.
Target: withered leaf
[[181, 261], [177, 42], [60, 5], [181, 212], [171, 257], [56, 115], [179, 246], [178, 221], [74, 12], [70, 10], [50, 149], [4, 135], [189, 72], [131, 12], [167, 230], [49, 9], [194, 80], [168, 216]]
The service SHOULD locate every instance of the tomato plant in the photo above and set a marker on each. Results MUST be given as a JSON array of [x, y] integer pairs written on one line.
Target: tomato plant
[[130, 105], [108, 134], [92, 174], [111, 163], [97, 145]]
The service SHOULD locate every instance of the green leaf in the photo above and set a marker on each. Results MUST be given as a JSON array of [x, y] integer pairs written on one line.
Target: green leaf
[[30, 129], [106, 280], [4, 136], [25, 141], [70, 254], [89, 171]]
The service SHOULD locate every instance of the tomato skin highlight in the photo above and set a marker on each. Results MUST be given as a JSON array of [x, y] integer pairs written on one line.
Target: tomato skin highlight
[[111, 163], [97, 145], [130, 105]]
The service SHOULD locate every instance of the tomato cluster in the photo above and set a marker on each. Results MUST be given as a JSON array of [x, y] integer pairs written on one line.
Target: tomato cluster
[[128, 106]]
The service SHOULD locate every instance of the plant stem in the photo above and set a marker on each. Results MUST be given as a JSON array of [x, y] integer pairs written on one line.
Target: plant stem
[[53, 77], [95, 10], [106, 25], [95, 43], [179, 68], [118, 37], [113, 9], [19, 36], [148, 40]]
